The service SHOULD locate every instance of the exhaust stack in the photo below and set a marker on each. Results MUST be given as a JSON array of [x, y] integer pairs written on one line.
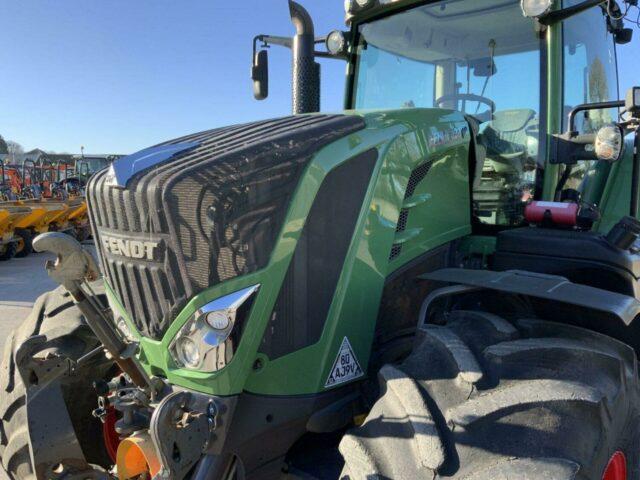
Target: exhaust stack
[[306, 71]]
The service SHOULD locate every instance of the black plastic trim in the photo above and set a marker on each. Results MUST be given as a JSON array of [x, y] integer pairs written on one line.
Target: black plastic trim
[[546, 287], [307, 292]]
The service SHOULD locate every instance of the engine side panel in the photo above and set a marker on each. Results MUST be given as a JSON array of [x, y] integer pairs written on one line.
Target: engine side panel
[[439, 213], [302, 307]]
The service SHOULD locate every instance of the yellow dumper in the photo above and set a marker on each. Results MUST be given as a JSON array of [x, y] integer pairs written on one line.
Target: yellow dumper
[[12, 241], [22, 220], [79, 219], [49, 216]]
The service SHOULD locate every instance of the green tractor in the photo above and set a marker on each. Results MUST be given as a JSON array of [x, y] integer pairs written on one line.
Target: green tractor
[[440, 282]]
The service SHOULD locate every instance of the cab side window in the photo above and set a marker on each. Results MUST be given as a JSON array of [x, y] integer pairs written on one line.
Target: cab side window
[[590, 75]]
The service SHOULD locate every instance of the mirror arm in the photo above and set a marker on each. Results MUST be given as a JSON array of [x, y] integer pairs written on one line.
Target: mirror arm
[[330, 56], [268, 40], [589, 106]]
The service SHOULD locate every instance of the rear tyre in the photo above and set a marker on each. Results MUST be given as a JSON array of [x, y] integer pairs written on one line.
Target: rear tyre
[[482, 398], [25, 243], [8, 251], [55, 316]]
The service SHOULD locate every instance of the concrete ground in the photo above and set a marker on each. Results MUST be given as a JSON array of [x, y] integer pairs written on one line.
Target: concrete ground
[[22, 280]]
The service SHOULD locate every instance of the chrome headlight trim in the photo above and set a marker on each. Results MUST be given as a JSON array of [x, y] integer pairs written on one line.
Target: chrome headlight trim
[[216, 346]]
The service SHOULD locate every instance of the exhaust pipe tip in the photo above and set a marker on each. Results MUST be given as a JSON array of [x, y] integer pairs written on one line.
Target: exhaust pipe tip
[[301, 19]]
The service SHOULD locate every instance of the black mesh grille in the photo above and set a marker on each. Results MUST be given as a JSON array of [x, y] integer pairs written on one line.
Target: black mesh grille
[[416, 178], [395, 251], [215, 211], [402, 221], [303, 303]]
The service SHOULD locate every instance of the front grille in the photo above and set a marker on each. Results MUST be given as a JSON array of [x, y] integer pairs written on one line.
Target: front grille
[[214, 211]]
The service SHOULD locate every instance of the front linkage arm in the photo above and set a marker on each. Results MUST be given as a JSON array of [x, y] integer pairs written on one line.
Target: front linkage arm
[[73, 267], [180, 421]]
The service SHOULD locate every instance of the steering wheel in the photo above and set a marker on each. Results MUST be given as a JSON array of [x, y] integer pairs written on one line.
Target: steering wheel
[[469, 97]]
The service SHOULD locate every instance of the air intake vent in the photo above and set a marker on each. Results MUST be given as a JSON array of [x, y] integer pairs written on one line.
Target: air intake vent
[[416, 178], [308, 289]]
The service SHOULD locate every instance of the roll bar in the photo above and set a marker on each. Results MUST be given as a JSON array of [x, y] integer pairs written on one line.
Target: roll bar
[[42, 162], [32, 169]]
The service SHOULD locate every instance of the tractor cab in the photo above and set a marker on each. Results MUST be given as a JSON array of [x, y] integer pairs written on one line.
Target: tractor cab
[[521, 73], [484, 59], [515, 78]]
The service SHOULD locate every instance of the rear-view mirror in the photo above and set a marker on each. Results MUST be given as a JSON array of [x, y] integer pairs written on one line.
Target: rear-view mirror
[[260, 75], [483, 67], [623, 36]]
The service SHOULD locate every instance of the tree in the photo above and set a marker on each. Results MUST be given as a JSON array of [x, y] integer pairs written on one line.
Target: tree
[[3, 146], [14, 148], [598, 92]]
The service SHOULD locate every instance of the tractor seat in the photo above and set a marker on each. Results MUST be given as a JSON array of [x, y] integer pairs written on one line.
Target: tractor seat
[[505, 139], [583, 257]]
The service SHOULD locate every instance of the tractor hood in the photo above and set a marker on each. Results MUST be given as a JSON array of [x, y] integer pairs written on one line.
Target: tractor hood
[[178, 218]]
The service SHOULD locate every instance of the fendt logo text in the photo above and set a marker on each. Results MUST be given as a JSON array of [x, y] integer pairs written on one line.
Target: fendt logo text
[[137, 249]]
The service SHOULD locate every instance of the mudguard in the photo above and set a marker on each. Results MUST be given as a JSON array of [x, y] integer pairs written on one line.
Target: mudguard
[[546, 287]]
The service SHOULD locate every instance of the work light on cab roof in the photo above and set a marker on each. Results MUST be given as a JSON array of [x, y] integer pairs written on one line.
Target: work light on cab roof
[[536, 8]]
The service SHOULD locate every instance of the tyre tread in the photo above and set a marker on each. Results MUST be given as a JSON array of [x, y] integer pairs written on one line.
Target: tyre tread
[[535, 373]]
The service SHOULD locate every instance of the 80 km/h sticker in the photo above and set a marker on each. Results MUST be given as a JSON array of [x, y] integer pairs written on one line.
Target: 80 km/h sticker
[[345, 367]]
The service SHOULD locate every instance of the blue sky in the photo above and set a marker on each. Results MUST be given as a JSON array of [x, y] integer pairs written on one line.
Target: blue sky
[[119, 75]]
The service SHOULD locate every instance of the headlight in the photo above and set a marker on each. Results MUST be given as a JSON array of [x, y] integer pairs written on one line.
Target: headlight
[[536, 8], [336, 43], [121, 324], [353, 6], [218, 320], [207, 342], [609, 141], [188, 352], [350, 6]]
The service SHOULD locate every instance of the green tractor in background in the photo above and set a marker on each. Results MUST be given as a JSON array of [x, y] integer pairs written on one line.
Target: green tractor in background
[[435, 283]]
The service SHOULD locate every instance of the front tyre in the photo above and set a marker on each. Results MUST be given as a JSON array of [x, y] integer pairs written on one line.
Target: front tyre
[[56, 317], [485, 399]]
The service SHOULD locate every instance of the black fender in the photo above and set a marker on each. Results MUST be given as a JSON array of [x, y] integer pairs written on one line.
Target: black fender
[[616, 306]]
